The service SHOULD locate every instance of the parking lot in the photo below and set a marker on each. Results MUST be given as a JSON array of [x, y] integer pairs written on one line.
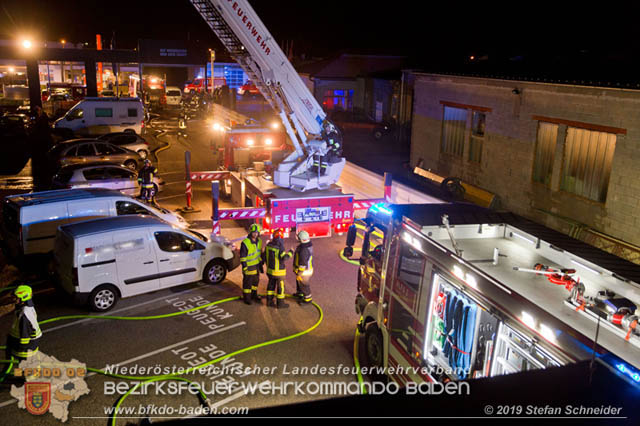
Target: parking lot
[[323, 333]]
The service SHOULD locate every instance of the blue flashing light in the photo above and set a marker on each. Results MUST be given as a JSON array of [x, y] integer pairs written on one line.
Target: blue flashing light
[[625, 369], [385, 210], [380, 207]]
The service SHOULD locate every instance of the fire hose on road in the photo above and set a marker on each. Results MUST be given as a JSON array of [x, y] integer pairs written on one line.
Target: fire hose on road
[[148, 379]]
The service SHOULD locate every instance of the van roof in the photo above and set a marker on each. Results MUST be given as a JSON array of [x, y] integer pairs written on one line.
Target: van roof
[[112, 99], [44, 197], [108, 224]]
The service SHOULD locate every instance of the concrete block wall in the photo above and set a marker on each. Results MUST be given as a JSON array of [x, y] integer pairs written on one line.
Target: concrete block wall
[[509, 146]]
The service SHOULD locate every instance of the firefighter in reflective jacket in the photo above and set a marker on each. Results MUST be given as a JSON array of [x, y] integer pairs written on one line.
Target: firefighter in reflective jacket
[[25, 333], [332, 137], [274, 257], [303, 267], [250, 258], [145, 180]]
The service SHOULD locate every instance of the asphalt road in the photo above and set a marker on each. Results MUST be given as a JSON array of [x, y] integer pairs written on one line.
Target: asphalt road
[[188, 340]]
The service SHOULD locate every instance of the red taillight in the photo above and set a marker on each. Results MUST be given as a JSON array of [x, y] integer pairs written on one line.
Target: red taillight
[[142, 125]]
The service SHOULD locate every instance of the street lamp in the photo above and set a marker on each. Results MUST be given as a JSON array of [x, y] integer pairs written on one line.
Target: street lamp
[[27, 44]]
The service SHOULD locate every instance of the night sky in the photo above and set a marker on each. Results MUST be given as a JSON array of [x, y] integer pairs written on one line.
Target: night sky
[[429, 30]]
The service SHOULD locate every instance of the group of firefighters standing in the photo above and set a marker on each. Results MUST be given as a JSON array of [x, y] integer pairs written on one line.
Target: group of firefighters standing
[[253, 260]]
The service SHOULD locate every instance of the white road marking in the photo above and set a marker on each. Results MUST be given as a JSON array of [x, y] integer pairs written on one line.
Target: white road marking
[[148, 354], [113, 312], [157, 351]]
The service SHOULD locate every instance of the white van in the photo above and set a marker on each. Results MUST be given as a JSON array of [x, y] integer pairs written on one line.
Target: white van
[[174, 96], [29, 221], [99, 261], [93, 116]]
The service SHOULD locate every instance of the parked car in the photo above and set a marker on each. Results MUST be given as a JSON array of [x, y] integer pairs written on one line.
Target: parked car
[[60, 97], [29, 221], [23, 109], [102, 260], [84, 151], [382, 129], [102, 176], [22, 119], [93, 115], [174, 97], [129, 140]]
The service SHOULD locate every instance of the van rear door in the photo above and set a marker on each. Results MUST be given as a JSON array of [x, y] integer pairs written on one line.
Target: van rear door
[[136, 261], [39, 226]]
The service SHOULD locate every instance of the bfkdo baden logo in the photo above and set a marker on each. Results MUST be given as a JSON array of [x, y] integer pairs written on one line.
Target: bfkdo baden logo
[[37, 397]]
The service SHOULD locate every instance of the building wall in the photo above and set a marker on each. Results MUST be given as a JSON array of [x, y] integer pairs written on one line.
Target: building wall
[[508, 152]]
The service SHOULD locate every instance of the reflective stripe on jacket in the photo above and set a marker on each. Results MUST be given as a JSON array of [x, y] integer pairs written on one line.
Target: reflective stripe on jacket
[[303, 259], [25, 332], [145, 177], [250, 256], [274, 256]]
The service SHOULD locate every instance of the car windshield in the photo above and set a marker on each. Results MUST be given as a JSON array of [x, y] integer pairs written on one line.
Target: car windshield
[[173, 93], [197, 235]]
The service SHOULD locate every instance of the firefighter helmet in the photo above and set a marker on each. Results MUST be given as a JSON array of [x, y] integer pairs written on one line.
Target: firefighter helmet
[[254, 228], [278, 233], [303, 236], [23, 292]]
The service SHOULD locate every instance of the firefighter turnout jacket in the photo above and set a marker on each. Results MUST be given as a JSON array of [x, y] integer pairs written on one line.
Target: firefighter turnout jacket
[[145, 177], [25, 332], [303, 259], [250, 253], [274, 257]]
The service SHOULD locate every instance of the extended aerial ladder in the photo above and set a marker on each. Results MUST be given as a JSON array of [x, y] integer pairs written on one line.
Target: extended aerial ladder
[[249, 42]]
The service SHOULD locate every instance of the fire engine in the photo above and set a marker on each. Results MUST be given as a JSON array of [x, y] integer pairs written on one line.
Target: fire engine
[[248, 89], [455, 291], [198, 84], [154, 89], [246, 144], [251, 45]]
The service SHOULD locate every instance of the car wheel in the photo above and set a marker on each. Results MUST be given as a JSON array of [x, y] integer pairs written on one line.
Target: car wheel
[[143, 154], [103, 298], [215, 272], [131, 164], [375, 348]]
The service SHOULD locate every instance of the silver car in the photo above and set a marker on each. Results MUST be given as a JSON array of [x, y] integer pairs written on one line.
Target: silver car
[[129, 140], [88, 151], [102, 176]]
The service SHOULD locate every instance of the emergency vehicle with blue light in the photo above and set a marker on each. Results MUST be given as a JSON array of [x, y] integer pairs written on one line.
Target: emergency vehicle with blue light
[[456, 291]]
